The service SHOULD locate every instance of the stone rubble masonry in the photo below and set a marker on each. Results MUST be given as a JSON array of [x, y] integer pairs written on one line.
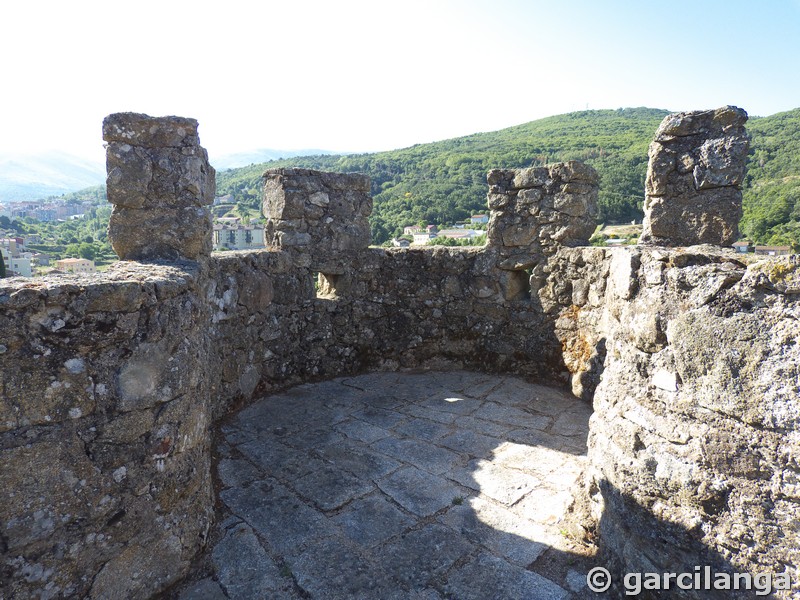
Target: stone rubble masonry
[[104, 419], [537, 210], [110, 383], [695, 441], [160, 183], [694, 178], [323, 216]]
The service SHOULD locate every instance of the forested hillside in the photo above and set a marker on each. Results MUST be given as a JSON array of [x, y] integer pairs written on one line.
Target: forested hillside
[[444, 182], [772, 187]]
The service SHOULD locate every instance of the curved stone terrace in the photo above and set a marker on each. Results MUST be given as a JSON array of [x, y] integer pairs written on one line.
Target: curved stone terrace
[[398, 485]]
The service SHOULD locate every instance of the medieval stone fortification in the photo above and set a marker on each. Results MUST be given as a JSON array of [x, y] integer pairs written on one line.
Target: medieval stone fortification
[[111, 383]]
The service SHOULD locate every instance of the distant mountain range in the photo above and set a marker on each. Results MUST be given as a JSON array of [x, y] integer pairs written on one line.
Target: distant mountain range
[[53, 173], [254, 157], [36, 176]]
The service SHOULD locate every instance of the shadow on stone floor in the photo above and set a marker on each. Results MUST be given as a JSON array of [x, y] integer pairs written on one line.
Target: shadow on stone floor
[[399, 485]]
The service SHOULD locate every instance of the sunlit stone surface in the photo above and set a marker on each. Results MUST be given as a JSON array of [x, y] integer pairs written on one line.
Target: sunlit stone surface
[[392, 485]]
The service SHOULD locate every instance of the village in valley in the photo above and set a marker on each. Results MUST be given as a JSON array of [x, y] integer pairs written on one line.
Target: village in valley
[[25, 252], [29, 254]]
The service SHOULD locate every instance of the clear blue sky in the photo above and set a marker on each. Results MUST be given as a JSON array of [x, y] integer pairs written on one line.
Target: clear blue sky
[[373, 75]]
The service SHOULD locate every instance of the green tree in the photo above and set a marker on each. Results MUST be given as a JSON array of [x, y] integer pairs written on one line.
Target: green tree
[[2, 266], [87, 251]]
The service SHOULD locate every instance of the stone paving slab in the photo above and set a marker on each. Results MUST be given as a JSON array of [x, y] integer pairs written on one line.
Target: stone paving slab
[[380, 417], [237, 472], [205, 589], [514, 417], [333, 569], [424, 412], [426, 456], [407, 486], [278, 513], [356, 429], [500, 483], [514, 538], [417, 560], [277, 460], [360, 460], [419, 492], [482, 426], [451, 402], [469, 442], [245, 570], [492, 577], [372, 520], [331, 487], [422, 429]]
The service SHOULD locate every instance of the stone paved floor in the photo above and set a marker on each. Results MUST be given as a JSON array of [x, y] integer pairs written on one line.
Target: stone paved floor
[[397, 485]]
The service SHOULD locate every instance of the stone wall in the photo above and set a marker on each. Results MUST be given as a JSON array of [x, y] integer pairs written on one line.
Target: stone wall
[[400, 309], [694, 442], [321, 216], [110, 383], [104, 419], [538, 210]]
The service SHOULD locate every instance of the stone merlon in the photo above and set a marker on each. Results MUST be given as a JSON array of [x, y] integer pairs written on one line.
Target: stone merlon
[[694, 178], [160, 183]]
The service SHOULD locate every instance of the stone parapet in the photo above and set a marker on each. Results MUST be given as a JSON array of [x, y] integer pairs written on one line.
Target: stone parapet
[[110, 383], [537, 210], [323, 216], [694, 178], [104, 419], [693, 443], [160, 183]]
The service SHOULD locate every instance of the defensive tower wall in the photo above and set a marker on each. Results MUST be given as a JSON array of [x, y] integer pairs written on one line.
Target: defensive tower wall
[[111, 383]]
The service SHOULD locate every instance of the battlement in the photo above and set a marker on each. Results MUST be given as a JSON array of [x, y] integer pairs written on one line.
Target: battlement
[[111, 384]]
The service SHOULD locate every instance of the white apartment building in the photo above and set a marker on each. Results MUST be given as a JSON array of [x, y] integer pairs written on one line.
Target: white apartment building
[[238, 237], [17, 265]]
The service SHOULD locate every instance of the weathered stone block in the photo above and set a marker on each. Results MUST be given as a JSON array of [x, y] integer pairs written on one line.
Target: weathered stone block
[[160, 233], [324, 213], [696, 168], [143, 130], [535, 211], [105, 450], [159, 181]]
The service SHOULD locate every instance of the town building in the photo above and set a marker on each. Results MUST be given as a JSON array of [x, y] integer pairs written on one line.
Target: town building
[[617, 242], [742, 246], [421, 239], [10, 246], [21, 266], [17, 262], [76, 265], [238, 237], [773, 250], [479, 219], [460, 234]]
